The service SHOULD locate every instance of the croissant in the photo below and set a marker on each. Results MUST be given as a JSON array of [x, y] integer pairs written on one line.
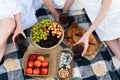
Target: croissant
[[75, 33]]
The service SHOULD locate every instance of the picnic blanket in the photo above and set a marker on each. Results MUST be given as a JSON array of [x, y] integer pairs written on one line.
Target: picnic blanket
[[82, 69]]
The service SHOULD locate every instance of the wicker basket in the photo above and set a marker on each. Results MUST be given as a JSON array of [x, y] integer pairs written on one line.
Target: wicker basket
[[38, 46]]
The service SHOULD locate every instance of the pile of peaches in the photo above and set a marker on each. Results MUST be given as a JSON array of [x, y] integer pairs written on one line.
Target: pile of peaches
[[37, 65]]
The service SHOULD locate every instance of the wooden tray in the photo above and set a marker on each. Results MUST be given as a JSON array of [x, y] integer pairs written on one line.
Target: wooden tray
[[25, 59], [70, 40], [54, 58], [71, 64]]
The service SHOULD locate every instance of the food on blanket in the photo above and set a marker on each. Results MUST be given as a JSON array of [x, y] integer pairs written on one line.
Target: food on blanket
[[36, 71], [45, 63], [29, 71], [68, 34], [99, 68], [32, 57], [92, 39], [74, 33], [37, 63], [63, 73], [77, 50], [30, 63], [70, 42], [91, 50], [11, 64], [47, 33], [76, 36], [65, 59], [71, 30], [39, 30], [74, 25], [41, 58], [44, 71]]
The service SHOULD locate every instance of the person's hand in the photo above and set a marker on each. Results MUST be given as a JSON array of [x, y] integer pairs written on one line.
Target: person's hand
[[56, 14], [84, 39], [18, 30], [56, 17]]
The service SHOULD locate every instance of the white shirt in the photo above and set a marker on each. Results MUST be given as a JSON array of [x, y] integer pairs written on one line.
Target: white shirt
[[8, 8], [77, 4]]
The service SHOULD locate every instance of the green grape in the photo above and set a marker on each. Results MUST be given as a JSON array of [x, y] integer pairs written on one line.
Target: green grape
[[45, 38], [39, 30]]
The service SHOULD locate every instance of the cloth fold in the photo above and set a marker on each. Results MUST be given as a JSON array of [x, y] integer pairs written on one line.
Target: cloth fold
[[60, 4], [28, 12]]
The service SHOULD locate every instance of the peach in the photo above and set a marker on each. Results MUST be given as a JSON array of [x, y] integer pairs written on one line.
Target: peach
[[36, 71], [32, 57], [44, 71], [41, 58], [29, 71], [45, 63], [37, 63], [30, 63]]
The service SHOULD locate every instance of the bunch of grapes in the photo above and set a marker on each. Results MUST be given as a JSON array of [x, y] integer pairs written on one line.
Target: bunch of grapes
[[39, 31]]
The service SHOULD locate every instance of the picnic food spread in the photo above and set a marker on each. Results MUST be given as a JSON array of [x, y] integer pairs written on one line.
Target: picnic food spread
[[47, 34]]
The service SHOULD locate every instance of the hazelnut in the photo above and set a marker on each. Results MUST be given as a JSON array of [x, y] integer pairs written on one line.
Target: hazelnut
[[63, 72]]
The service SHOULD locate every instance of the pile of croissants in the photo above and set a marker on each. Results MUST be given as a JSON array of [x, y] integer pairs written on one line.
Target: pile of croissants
[[74, 33]]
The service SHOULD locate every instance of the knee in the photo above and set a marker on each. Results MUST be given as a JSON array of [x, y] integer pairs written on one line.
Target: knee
[[6, 29], [2, 51]]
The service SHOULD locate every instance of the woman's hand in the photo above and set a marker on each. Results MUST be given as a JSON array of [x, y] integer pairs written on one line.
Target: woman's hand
[[18, 30], [84, 39], [56, 17]]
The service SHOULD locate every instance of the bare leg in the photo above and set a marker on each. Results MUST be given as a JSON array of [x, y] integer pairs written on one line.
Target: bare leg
[[6, 27], [2, 51], [115, 47], [119, 41]]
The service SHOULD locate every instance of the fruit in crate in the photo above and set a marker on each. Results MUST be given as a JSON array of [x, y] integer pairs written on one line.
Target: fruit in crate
[[32, 57], [36, 71], [41, 58], [29, 71], [37, 63], [45, 63], [44, 71], [30, 63], [47, 33]]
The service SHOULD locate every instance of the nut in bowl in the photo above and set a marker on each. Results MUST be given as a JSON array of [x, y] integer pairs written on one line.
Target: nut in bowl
[[47, 34]]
